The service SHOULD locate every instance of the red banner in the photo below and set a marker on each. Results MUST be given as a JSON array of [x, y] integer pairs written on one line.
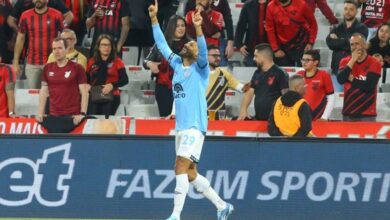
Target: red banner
[[89, 126], [259, 128]]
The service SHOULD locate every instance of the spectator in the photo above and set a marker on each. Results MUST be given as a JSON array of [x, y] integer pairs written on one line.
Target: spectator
[[212, 22], [41, 25], [381, 43], [324, 7], [291, 28], [338, 38], [320, 92], [79, 9], [109, 17], [251, 24], [5, 31], [167, 8], [105, 69], [176, 37], [7, 88], [24, 5], [268, 83], [290, 115], [360, 74], [66, 83], [72, 54], [227, 39], [219, 82], [374, 13]]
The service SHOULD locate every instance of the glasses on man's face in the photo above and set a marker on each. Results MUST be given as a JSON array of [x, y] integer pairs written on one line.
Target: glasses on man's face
[[306, 60], [215, 55]]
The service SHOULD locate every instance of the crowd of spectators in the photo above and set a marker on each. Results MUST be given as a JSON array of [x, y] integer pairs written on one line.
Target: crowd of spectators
[[269, 34]]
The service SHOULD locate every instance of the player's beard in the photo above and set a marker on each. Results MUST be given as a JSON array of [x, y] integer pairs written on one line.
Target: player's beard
[[283, 1], [39, 5], [185, 53], [214, 64]]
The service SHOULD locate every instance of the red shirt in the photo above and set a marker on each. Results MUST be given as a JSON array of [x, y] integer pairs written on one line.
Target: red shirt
[[113, 72], [375, 12], [212, 21], [7, 75], [63, 84], [281, 22], [262, 13], [357, 101], [318, 87], [41, 29]]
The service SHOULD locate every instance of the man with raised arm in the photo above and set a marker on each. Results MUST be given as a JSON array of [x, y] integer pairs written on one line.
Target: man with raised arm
[[191, 75]]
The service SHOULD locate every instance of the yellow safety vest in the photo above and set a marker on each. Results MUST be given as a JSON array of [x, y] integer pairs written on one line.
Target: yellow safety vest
[[287, 118]]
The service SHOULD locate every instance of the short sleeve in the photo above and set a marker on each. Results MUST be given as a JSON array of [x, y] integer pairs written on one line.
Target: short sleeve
[[81, 77], [282, 79], [328, 85], [125, 10]]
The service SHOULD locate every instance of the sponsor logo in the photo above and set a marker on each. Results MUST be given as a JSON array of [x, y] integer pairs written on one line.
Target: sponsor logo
[[67, 73], [178, 91], [23, 179]]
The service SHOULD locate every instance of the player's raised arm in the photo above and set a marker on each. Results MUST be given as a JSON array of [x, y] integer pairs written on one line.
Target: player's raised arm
[[197, 20], [159, 38]]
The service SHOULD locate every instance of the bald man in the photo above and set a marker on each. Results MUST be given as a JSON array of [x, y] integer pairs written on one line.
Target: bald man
[[291, 115]]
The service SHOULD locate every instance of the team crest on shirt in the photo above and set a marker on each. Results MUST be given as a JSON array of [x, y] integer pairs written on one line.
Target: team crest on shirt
[[51, 73], [270, 80], [315, 84], [67, 74], [187, 73], [113, 5]]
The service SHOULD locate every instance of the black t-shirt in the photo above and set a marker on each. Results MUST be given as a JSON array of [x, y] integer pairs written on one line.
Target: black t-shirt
[[268, 86], [23, 5]]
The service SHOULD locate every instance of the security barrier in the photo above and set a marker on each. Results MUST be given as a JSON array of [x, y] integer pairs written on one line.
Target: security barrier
[[121, 177]]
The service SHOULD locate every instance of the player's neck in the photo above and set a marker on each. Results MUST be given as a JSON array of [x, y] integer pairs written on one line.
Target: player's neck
[[71, 50], [266, 66], [41, 11], [349, 23], [62, 62], [311, 72], [187, 61]]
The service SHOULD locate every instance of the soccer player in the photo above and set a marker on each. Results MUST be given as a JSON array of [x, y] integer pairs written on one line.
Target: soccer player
[[41, 24], [7, 90], [66, 83], [320, 92], [360, 74], [191, 73]]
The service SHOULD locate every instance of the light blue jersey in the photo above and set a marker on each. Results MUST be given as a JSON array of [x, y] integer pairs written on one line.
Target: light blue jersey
[[189, 84]]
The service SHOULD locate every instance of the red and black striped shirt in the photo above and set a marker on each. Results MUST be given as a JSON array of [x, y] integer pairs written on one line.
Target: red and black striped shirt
[[114, 11], [360, 94], [41, 29], [7, 76]]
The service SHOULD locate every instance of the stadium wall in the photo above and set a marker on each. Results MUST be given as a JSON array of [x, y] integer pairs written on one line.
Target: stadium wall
[[122, 177]]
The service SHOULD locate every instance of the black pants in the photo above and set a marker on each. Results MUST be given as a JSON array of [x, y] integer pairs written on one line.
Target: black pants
[[106, 109], [164, 98], [59, 124]]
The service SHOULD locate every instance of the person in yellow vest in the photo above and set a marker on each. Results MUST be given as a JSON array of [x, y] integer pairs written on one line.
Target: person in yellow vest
[[291, 114], [72, 54]]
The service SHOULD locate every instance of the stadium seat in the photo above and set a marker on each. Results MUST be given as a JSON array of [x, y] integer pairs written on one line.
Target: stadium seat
[[26, 101], [142, 110]]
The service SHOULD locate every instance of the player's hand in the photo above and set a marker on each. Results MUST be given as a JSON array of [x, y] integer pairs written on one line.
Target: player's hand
[[153, 9], [350, 77], [333, 36], [244, 51], [280, 54], [153, 66], [39, 118], [77, 119], [197, 19], [356, 54], [246, 87], [107, 88], [199, 7], [243, 116], [99, 12], [170, 117], [16, 68], [308, 47], [229, 51]]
